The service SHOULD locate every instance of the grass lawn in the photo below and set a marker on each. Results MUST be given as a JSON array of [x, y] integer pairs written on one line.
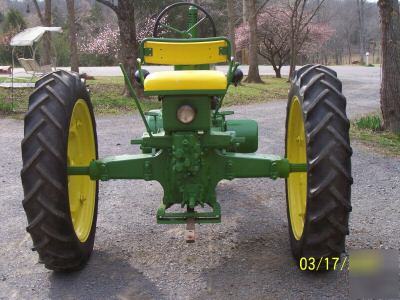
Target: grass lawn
[[368, 130], [106, 94], [8, 79]]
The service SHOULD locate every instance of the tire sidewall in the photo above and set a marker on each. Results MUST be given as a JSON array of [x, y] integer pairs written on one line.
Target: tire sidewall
[[328, 153]]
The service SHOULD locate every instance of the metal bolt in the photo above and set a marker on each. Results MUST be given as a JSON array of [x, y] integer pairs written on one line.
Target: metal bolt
[[299, 139]]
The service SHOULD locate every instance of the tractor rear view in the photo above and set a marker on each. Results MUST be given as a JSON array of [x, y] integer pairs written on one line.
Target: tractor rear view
[[189, 146]]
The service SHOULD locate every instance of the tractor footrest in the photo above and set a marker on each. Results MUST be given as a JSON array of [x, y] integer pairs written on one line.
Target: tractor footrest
[[164, 217]]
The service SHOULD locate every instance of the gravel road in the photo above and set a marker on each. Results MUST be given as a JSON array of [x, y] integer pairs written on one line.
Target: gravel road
[[245, 257]]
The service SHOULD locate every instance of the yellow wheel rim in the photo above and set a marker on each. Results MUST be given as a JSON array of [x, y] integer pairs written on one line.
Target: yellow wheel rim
[[297, 182], [81, 151]]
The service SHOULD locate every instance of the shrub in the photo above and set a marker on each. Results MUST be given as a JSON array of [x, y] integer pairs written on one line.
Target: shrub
[[372, 122]]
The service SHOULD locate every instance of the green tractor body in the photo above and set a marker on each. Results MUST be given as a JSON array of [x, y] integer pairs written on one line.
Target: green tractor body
[[189, 158], [189, 146]]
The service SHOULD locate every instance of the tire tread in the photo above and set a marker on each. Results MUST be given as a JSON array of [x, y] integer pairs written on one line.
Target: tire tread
[[44, 176], [329, 162]]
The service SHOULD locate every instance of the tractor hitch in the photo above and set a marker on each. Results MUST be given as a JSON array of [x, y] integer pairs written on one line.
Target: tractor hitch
[[190, 235]]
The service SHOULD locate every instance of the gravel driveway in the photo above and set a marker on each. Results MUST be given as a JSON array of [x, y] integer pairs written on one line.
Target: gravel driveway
[[247, 256]]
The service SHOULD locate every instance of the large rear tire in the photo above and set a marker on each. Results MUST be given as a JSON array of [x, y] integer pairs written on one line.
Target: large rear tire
[[317, 133], [59, 131]]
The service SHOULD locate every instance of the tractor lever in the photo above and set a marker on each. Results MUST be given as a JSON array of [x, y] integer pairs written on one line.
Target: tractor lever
[[136, 99]]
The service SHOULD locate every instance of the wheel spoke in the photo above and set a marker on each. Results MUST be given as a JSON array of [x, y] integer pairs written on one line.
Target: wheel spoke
[[184, 33], [195, 25]]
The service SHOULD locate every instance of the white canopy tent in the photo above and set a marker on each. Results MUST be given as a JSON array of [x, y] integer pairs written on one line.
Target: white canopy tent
[[32, 35], [29, 38]]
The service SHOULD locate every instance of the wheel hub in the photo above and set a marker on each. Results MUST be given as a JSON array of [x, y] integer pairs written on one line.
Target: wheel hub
[[81, 151], [297, 182]]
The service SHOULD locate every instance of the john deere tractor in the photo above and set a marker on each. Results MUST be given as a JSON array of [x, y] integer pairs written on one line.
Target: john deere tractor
[[189, 146]]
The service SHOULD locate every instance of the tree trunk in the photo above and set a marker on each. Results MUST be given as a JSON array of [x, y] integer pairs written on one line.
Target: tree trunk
[[293, 56], [73, 45], [294, 32], [292, 41], [245, 12], [129, 46], [244, 52], [278, 73], [390, 88], [47, 37], [231, 24], [46, 21], [253, 75], [361, 23], [349, 52], [373, 56], [125, 11]]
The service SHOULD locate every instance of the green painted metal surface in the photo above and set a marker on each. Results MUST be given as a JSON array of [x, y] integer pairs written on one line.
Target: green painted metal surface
[[188, 166], [201, 105], [135, 97], [213, 164], [155, 120], [192, 22], [247, 129], [189, 160]]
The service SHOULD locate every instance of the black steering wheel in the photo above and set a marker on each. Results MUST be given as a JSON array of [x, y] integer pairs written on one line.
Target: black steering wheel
[[184, 33]]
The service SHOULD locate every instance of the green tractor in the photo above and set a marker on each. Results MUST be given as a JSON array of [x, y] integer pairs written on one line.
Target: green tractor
[[189, 146]]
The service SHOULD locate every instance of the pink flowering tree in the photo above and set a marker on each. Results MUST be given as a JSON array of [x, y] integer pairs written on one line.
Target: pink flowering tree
[[5, 38], [145, 29], [105, 42], [273, 32]]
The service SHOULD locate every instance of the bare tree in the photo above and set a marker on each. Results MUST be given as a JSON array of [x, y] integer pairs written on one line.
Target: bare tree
[[253, 74], [390, 89], [73, 45], [231, 23], [347, 35], [125, 11], [344, 13], [274, 33], [252, 13], [45, 19], [244, 52], [361, 25], [275, 50], [245, 14], [300, 17]]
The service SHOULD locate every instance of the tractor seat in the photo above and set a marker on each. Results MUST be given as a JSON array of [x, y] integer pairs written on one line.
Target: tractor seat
[[191, 82], [185, 52]]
